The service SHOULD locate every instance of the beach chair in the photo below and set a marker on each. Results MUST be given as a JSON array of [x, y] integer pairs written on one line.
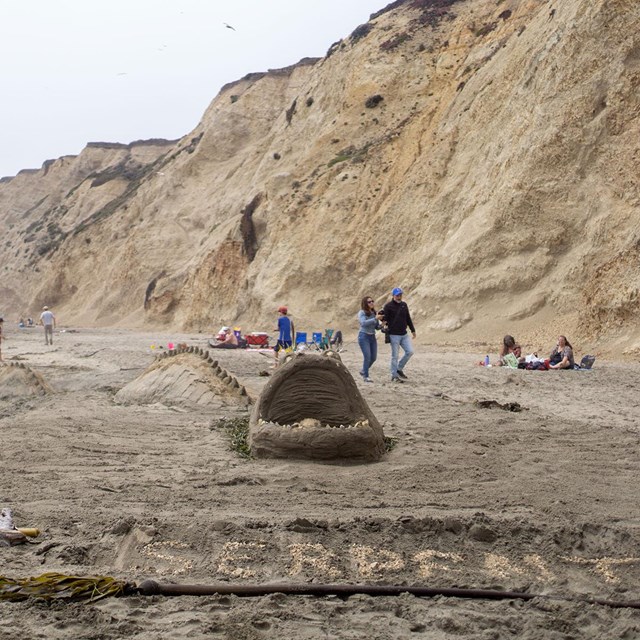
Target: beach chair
[[331, 339], [336, 341], [300, 343], [325, 342]]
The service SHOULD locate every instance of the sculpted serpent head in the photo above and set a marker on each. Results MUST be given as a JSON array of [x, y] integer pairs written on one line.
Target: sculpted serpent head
[[311, 408]]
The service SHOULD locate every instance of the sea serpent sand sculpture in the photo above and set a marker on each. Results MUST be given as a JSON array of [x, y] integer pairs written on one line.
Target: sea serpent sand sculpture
[[312, 409], [186, 375], [17, 380]]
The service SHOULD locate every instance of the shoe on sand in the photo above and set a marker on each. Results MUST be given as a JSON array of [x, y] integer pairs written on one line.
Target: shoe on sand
[[396, 379], [401, 374], [368, 379]]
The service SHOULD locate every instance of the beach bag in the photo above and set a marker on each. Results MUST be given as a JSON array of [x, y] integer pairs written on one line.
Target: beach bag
[[586, 363]]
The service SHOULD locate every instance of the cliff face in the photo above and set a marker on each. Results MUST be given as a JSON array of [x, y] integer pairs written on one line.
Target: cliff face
[[482, 154]]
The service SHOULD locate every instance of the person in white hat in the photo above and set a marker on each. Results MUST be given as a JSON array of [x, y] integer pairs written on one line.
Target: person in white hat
[[48, 320], [230, 340]]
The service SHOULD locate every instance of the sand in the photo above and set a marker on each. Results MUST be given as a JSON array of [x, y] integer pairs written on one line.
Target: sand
[[543, 500]]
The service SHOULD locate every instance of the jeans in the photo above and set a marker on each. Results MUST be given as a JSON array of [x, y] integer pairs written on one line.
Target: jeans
[[369, 347], [397, 342]]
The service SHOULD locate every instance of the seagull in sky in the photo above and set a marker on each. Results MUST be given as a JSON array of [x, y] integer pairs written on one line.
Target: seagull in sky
[[228, 26]]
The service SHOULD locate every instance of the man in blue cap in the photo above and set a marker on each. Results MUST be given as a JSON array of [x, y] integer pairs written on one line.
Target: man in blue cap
[[397, 319]]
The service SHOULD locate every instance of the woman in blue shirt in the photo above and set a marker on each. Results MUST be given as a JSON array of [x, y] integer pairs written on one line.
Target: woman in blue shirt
[[369, 321]]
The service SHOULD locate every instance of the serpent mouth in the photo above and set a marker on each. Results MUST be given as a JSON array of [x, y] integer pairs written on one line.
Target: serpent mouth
[[312, 408]]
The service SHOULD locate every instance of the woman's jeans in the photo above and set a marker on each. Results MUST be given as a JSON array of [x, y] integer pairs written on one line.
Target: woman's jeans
[[369, 347]]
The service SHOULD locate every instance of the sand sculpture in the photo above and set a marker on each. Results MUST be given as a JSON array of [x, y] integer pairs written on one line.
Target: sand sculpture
[[17, 380], [312, 409], [187, 375]]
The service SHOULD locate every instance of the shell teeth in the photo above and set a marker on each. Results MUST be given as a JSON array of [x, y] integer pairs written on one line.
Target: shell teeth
[[358, 424]]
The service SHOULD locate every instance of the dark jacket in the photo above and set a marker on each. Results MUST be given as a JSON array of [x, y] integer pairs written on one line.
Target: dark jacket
[[398, 318]]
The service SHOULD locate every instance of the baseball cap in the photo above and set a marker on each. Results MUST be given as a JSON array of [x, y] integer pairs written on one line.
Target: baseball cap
[[282, 310], [397, 292]]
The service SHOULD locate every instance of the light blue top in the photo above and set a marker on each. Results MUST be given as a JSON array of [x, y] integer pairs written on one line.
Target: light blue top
[[368, 324]]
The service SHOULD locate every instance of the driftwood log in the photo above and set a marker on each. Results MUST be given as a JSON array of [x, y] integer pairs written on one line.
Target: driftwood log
[[311, 408]]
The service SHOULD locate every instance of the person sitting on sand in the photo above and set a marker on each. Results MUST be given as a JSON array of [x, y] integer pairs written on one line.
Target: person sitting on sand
[[506, 356], [230, 340], [562, 355]]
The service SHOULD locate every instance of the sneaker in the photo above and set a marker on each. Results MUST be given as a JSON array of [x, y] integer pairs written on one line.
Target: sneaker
[[401, 374], [396, 379], [368, 379], [361, 373]]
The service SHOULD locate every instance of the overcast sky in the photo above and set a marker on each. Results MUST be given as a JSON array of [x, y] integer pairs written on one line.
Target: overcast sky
[[78, 71]]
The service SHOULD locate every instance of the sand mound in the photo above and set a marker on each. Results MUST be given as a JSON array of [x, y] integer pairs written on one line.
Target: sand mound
[[19, 381], [188, 377]]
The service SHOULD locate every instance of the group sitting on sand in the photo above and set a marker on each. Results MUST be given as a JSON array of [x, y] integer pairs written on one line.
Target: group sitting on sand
[[226, 340], [510, 355]]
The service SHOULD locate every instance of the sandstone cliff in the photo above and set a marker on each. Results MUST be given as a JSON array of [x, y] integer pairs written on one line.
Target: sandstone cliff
[[484, 154]]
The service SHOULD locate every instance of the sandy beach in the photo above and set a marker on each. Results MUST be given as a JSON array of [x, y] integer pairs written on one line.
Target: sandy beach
[[543, 500]]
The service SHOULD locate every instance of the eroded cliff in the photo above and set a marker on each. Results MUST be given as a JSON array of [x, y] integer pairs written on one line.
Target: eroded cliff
[[483, 154]]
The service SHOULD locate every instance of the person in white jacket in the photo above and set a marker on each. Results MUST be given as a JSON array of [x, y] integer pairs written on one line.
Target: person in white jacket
[[48, 320]]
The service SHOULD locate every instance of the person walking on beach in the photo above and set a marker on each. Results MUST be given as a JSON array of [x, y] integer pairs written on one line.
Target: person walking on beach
[[369, 321], [397, 318], [48, 320], [285, 331]]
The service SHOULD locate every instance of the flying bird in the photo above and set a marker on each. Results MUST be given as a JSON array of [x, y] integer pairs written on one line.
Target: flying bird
[[228, 26]]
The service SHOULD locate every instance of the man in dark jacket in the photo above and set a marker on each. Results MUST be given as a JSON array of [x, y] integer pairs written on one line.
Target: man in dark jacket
[[397, 319]]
